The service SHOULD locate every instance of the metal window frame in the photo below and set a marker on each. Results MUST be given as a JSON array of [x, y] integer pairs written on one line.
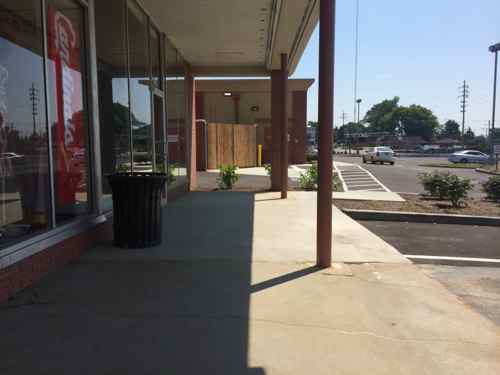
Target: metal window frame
[[96, 215], [88, 104], [48, 116], [58, 233]]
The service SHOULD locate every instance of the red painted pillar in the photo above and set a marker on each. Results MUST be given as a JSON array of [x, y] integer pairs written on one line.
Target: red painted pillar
[[275, 131], [284, 124], [325, 118]]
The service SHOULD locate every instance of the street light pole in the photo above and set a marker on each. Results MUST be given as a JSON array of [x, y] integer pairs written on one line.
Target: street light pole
[[359, 103], [494, 49]]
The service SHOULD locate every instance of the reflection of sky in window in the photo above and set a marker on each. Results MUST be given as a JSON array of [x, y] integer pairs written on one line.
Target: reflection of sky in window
[[141, 105], [24, 68]]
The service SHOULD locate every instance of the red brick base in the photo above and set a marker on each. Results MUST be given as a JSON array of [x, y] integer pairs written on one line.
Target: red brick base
[[28, 271]]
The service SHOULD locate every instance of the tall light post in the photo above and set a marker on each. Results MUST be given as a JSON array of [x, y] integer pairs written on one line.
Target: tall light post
[[359, 103], [356, 56], [494, 49]]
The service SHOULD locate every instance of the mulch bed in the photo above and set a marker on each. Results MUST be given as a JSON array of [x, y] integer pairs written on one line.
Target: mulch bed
[[423, 204]]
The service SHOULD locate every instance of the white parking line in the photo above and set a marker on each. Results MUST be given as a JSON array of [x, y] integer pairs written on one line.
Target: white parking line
[[376, 179], [358, 185], [356, 177], [461, 259]]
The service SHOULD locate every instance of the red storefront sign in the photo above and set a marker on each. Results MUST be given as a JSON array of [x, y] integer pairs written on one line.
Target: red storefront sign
[[64, 52]]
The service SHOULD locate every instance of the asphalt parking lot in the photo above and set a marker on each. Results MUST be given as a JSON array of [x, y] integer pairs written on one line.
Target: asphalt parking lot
[[476, 283], [440, 240], [403, 176]]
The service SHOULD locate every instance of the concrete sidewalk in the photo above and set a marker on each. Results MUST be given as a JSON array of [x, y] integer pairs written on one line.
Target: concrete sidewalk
[[233, 291]]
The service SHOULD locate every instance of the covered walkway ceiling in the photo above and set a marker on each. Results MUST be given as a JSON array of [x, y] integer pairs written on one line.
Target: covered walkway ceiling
[[236, 37]]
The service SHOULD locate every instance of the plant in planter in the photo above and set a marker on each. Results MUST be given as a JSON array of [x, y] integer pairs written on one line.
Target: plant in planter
[[435, 183], [447, 186], [269, 169], [458, 189], [492, 188], [171, 173], [228, 176], [309, 179]]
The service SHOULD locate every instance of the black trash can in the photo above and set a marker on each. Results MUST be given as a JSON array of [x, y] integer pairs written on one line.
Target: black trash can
[[137, 215]]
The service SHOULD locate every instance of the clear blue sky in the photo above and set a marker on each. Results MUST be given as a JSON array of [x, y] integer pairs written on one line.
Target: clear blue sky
[[420, 51]]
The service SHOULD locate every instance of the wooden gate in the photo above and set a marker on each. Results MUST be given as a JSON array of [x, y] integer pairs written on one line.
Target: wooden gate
[[231, 144]]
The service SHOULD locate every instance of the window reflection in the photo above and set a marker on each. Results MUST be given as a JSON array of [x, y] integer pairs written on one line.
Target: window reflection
[[66, 59], [24, 179], [172, 116], [140, 97], [113, 89]]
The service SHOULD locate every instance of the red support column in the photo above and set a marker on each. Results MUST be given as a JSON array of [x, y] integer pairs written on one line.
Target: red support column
[[284, 124], [275, 131], [325, 118]]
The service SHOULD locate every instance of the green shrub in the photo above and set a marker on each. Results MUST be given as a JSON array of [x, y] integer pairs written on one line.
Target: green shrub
[[337, 183], [171, 168], [458, 189], [228, 176], [268, 169], [492, 188], [312, 158], [446, 186], [435, 183], [310, 178]]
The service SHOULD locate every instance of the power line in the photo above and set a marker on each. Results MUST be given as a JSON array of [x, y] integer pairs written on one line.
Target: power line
[[34, 99]]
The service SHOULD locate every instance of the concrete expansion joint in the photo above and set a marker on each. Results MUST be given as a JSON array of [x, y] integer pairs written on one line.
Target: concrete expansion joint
[[373, 334], [496, 299]]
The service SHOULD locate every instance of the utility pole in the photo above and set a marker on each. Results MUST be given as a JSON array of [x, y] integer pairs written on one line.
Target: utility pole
[[464, 96], [343, 117], [34, 99]]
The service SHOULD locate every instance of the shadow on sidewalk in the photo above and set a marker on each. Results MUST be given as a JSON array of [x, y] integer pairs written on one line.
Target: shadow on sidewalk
[[182, 308]]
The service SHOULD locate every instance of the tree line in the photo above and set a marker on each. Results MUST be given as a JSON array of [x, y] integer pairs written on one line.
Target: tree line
[[390, 118]]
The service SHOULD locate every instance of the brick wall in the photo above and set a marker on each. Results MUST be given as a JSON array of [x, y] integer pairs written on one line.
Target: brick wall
[[28, 271]]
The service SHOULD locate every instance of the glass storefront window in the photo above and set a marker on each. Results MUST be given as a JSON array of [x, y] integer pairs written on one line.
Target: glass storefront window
[[155, 44], [140, 94], [181, 104], [68, 111], [112, 76], [171, 74], [25, 206]]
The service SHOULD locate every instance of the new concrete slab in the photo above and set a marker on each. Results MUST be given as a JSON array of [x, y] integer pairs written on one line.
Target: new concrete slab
[[285, 230], [260, 226], [233, 290], [237, 317]]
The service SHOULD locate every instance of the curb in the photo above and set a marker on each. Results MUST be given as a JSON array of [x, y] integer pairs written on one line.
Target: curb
[[481, 170], [417, 217]]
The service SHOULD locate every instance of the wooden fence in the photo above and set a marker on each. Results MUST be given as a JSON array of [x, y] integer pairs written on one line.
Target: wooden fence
[[231, 144]]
